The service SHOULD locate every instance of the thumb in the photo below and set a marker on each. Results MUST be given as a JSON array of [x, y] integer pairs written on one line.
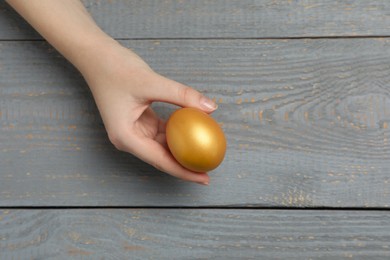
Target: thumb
[[170, 91]]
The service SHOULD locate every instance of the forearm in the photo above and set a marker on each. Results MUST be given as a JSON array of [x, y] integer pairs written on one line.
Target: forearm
[[66, 25]]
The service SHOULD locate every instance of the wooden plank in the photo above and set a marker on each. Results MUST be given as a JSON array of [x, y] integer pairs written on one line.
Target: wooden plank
[[307, 123], [224, 19], [190, 234]]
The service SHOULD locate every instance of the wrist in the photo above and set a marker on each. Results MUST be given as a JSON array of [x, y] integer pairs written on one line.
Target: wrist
[[91, 51], [106, 59]]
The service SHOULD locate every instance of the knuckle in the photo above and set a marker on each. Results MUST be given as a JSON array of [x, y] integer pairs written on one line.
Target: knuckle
[[117, 140], [185, 93], [158, 166], [160, 163]]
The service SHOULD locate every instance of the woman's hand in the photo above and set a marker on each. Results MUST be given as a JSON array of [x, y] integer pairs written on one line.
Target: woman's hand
[[124, 87]]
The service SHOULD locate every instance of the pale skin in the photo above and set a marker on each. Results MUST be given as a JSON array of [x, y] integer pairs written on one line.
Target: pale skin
[[122, 84]]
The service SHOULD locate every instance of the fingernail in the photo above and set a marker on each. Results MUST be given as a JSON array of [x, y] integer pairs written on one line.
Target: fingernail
[[208, 103], [204, 183]]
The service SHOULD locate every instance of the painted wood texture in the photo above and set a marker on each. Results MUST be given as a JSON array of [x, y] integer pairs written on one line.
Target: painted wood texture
[[224, 19], [307, 123], [193, 234]]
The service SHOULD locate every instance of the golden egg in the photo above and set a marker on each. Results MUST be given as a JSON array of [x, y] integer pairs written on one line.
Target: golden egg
[[195, 139]]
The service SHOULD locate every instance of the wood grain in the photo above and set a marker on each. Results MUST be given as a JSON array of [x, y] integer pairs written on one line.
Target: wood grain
[[224, 19], [193, 234], [307, 123]]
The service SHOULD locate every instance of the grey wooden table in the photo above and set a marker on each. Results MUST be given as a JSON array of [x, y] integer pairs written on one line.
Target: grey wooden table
[[303, 88]]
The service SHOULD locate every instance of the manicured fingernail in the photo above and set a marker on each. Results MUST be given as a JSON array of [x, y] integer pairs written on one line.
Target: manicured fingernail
[[208, 103]]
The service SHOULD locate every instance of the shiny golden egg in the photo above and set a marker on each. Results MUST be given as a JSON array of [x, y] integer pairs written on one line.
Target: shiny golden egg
[[195, 139]]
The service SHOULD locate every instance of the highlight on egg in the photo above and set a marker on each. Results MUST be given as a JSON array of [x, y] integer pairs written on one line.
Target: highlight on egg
[[195, 139]]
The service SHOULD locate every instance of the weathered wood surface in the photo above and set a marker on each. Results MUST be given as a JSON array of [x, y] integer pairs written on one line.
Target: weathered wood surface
[[224, 19], [193, 234], [307, 123]]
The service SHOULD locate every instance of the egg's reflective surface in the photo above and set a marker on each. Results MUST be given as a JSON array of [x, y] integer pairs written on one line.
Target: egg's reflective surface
[[195, 139]]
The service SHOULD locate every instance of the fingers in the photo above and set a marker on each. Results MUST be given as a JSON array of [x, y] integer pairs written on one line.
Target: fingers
[[156, 155], [170, 91]]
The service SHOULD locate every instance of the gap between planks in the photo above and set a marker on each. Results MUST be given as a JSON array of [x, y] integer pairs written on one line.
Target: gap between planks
[[224, 38], [196, 208]]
